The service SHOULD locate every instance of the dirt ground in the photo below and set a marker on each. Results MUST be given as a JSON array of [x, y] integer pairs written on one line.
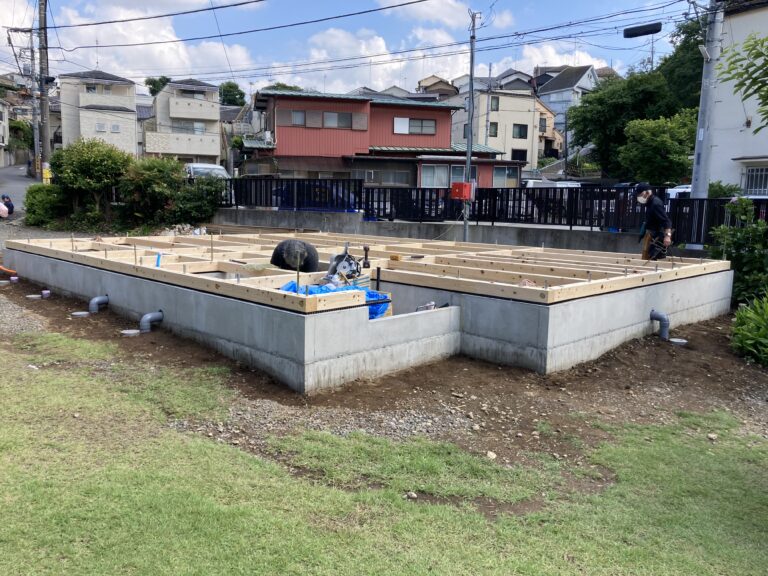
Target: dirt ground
[[513, 413]]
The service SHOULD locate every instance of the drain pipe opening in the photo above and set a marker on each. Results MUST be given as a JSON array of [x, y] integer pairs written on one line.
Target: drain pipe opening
[[145, 325], [663, 321], [97, 302]]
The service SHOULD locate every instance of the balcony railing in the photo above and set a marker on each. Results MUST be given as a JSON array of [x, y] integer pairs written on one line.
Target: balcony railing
[[194, 109]]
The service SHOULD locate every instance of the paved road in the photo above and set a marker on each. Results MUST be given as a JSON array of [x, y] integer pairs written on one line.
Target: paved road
[[14, 182]]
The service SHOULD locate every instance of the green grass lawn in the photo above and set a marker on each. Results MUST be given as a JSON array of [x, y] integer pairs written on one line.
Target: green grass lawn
[[93, 481]]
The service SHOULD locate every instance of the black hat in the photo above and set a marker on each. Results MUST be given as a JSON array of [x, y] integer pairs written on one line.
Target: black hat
[[642, 187]]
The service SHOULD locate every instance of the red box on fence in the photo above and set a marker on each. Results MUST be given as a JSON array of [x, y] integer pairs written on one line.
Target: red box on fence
[[461, 191]]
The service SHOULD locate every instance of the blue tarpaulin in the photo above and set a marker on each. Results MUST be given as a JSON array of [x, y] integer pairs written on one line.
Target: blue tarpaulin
[[374, 310]]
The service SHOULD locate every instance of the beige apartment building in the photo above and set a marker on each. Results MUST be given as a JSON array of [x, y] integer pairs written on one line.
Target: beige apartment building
[[186, 123], [96, 104]]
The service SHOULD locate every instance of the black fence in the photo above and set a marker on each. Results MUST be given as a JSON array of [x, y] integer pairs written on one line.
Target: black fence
[[608, 209]]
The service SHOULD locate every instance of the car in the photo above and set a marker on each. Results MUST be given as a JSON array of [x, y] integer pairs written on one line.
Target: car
[[680, 191], [195, 170]]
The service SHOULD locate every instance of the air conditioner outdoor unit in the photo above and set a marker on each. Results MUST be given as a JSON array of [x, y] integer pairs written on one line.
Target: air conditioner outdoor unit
[[268, 136]]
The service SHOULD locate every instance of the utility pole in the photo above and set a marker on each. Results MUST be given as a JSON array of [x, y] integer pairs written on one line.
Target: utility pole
[[470, 113], [565, 144], [45, 132], [711, 52], [488, 106], [35, 108]]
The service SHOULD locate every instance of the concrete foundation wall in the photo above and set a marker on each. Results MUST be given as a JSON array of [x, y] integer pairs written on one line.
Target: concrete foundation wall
[[307, 352], [508, 234]]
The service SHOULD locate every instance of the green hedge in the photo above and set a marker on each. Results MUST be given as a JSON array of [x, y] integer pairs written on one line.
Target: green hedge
[[45, 203]]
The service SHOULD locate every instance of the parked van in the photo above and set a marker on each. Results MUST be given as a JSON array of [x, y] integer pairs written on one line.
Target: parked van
[[681, 191]]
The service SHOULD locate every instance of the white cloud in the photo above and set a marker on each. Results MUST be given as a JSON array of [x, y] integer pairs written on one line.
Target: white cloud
[[20, 16], [503, 19], [451, 13]]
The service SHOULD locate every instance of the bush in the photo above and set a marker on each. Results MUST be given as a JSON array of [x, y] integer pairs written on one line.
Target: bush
[[746, 246], [719, 190], [87, 170], [195, 203], [147, 189], [44, 204], [750, 331]]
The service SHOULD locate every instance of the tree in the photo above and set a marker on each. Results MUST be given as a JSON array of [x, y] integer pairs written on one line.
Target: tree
[[283, 86], [682, 67], [658, 151], [601, 117], [87, 169], [156, 85], [230, 94], [747, 67]]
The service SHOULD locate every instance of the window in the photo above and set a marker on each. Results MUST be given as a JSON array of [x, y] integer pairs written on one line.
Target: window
[[520, 155], [520, 131], [297, 118], [466, 131], [192, 94], [1, 116], [115, 128], [457, 173], [395, 178], [414, 126], [756, 181], [187, 127], [493, 129], [495, 103], [434, 176], [101, 127], [90, 88], [418, 126], [543, 124], [337, 120], [199, 128], [505, 176], [402, 125], [106, 90]]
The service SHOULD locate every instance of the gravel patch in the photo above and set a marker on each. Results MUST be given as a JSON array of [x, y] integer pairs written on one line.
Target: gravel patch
[[15, 319]]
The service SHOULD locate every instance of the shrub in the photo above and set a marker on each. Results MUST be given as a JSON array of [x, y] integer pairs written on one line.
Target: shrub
[[719, 190], [87, 170], [148, 187], [746, 246], [195, 203], [750, 331], [44, 204]]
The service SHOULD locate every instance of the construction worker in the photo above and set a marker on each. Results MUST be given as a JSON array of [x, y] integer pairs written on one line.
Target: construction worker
[[658, 226]]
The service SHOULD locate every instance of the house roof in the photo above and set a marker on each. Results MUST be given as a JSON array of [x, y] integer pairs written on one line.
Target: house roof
[[107, 108], [737, 6], [457, 147], [193, 82], [97, 75], [376, 98], [567, 79], [144, 111], [229, 113]]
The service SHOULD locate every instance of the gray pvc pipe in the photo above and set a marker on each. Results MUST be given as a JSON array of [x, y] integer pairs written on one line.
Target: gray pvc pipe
[[663, 321], [145, 325], [96, 302]]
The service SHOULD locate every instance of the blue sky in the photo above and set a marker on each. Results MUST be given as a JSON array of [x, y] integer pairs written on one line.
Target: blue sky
[[363, 47]]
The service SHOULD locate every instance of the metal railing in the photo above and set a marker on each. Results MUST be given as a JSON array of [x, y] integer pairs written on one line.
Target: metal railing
[[607, 209]]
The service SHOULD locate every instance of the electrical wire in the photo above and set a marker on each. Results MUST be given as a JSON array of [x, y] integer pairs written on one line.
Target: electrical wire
[[243, 32], [167, 15]]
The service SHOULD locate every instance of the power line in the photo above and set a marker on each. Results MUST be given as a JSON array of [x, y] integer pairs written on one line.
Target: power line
[[167, 15], [242, 32], [223, 46]]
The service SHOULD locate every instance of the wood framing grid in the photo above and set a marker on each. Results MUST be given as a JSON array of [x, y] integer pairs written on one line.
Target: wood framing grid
[[237, 265]]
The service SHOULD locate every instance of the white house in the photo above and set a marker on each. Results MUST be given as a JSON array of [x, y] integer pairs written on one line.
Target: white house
[[738, 155], [567, 86], [96, 104]]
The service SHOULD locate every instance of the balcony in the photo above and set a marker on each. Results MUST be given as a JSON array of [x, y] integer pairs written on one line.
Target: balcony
[[194, 109], [182, 144], [107, 100]]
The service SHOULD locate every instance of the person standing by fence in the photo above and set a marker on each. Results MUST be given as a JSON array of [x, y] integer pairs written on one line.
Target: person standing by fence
[[658, 226]]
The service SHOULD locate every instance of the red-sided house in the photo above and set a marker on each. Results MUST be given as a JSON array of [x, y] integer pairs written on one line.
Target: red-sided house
[[382, 139]]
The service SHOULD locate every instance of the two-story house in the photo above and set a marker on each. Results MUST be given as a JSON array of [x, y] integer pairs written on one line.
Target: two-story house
[[736, 154], [562, 87], [381, 138], [5, 112], [186, 123], [96, 104]]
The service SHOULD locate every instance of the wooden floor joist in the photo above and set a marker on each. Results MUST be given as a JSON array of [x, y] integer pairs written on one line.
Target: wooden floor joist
[[237, 265]]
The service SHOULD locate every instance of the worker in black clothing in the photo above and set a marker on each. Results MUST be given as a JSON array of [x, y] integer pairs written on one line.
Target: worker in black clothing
[[658, 226]]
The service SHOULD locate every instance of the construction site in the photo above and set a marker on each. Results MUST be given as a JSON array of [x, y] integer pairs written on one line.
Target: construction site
[[538, 308]]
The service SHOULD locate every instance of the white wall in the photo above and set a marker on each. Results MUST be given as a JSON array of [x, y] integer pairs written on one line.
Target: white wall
[[729, 135]]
